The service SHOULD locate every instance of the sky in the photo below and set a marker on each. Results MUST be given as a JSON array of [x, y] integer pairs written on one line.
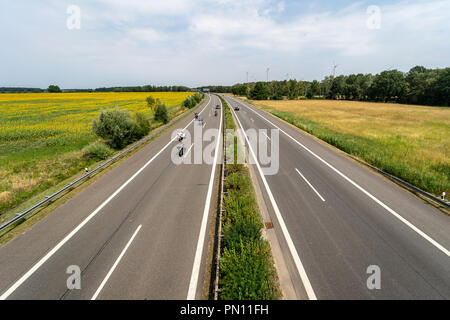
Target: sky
[[101, 43]]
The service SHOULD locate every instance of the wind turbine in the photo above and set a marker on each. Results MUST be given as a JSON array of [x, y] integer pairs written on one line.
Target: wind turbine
[[334, 69]]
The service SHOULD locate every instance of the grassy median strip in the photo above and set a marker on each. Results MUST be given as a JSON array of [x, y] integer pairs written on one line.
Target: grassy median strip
[[247, 271]]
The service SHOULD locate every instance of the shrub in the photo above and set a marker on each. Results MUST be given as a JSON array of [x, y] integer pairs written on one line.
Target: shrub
[[161, 113], [237, 182], [192, 101], [240, 232], [97, 150], [116, 127], [247, 274], [142, 127]]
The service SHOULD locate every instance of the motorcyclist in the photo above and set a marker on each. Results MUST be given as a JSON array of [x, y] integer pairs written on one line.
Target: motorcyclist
[[181, 135], [180, 149]]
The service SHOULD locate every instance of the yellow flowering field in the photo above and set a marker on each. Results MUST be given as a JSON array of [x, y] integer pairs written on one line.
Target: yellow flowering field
[[42, 134]]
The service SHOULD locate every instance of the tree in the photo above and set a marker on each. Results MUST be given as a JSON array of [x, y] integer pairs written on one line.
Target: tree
[[116, 127], [389, 85], [259, 92], [240, 90], [293, 90], [152, 102], [53, 89], [441, 88], [276, 90], [142, 127], [325, 86], [314, 89], [161, 113], [337, 87]]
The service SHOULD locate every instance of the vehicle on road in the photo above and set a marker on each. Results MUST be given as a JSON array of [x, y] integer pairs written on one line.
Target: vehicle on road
[[181, 135], [236, 108], [215, 113], [218, 106], [180, 148]]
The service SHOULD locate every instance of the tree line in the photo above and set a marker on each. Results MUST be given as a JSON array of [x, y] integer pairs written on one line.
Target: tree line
[[57, 89], [146, 88], [417, 86]]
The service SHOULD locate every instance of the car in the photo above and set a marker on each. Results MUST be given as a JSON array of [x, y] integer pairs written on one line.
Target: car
[[236, 108], [218, 106]]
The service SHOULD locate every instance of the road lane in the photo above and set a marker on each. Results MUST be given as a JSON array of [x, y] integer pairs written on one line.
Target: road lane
[[166, 199], [339, 239]]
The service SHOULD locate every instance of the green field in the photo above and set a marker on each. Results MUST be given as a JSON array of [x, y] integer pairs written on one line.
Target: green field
[[41, 136]]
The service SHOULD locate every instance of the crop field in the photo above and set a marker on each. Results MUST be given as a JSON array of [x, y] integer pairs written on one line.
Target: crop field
[[42, 134], [410, 142]]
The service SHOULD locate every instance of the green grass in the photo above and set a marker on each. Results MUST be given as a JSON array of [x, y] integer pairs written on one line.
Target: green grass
[[246, 269]]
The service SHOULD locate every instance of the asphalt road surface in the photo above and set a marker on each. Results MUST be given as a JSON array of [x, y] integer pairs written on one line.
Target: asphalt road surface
[[137, 233], [341, 226]]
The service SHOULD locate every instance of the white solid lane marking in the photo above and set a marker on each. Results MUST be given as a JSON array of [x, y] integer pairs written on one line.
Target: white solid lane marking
[[310, 185], [267, 136], [387, 208], [35, 267], [201, 238], [298, 263], [115, 264], [187, 152]]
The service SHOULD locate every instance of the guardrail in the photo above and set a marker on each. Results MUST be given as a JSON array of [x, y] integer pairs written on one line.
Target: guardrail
[[221, 210], [47, 199], [406, 184]]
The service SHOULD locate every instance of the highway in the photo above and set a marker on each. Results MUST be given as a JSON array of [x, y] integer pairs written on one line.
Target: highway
[[338, 223], [139, 232]]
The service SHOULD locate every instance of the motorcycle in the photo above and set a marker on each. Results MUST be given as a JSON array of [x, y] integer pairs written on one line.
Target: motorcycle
[[180, 150]]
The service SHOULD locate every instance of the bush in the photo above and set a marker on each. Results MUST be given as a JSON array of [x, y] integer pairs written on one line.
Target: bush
[[247, 274], [237, 182], [142, 126], [192, 101], [240, 232], [97, 150], [161, 113], [116, 127]]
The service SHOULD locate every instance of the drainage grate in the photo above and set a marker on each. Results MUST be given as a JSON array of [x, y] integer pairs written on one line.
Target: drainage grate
[[269, 225]]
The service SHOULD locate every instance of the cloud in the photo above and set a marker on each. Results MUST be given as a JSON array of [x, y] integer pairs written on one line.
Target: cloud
[[215, 41]]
